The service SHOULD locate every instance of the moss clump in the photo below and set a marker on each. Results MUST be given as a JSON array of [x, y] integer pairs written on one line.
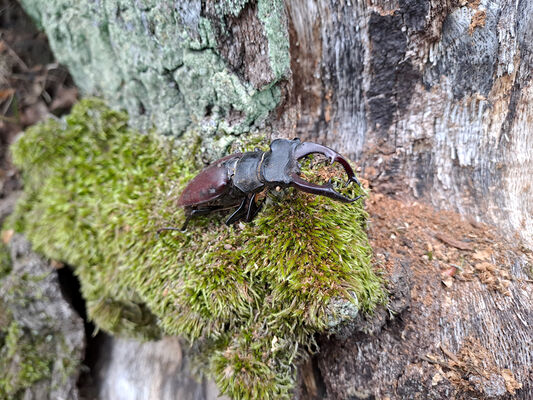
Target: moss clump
[[253, 296]]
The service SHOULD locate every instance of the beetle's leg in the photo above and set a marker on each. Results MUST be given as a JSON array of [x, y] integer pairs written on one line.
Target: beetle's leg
[[236, 215], [323, 190], [184, 226], [253, 208], [201, 211]]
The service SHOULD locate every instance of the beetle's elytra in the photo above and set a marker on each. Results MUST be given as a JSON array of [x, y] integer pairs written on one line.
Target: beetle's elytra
[[235, 180]]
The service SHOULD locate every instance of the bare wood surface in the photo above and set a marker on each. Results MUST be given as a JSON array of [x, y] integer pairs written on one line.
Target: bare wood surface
[[160, 370], [463, 332], [431, 98]]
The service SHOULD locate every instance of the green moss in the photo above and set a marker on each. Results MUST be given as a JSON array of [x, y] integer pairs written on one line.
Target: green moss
[[23, 358], [33, 346], [5, 261], [253, 296]]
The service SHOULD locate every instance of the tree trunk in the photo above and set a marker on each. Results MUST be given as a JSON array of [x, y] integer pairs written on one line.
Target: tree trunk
[[432, 100], [431, 97]]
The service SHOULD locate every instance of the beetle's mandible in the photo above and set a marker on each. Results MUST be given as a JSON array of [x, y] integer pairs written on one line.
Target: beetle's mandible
[[235, 180]]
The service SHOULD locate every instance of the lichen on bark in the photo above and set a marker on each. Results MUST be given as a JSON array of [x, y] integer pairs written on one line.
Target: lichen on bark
[[41, 337], [252, 297], [160, 61]]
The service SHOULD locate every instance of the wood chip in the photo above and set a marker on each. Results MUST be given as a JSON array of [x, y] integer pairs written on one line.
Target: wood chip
[[447, 281], [482, 255], [7, 235], [449, 354], [485, 266], [511, 383], [453, 242], [436, 379], [478, 21], [433, 360], [450, 272]]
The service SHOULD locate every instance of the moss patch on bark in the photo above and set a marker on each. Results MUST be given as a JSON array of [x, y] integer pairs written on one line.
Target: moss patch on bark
[[5, 261], [252, 297], [24, 358], [41, 339]]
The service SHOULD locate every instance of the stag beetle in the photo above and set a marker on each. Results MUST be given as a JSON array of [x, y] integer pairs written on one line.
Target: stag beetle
[[235, 180]]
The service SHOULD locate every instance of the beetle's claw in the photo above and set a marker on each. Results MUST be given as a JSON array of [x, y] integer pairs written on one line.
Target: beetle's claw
[[355, 180], [306, 148], [322, 190]]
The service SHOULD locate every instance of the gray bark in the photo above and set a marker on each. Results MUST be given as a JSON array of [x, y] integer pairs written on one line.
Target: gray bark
[[430, 97], [429, 101], [393, 357], [47, 323], [129, 370]]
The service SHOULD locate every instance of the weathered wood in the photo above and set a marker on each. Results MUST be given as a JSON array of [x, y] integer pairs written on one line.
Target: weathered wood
[[393, 361], [446, 333], [130, 370], [432, 98]]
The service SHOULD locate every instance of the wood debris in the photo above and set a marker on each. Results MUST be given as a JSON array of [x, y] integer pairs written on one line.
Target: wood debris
[[478, 20], [453, 242], [473, 369], [441, 240]]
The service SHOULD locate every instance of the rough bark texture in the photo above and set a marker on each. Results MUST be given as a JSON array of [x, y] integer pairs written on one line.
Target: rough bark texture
[[463, 337], [433, 100], [431, 97], [44, 358], [173, 64]]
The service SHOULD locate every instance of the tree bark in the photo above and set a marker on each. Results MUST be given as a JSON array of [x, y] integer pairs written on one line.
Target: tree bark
[[43, 359], [149, 370], [431, 97], [463, 337], [432, 100]]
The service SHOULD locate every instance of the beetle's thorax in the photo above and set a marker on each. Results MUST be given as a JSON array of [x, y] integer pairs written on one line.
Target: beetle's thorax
[[246, 172], [279, 163]]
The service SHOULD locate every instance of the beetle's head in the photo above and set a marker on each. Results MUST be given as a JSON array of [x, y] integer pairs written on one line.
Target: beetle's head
[[280, 167]]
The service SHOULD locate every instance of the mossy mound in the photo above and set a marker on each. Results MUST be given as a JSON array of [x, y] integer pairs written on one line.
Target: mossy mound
[[253, 296]]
